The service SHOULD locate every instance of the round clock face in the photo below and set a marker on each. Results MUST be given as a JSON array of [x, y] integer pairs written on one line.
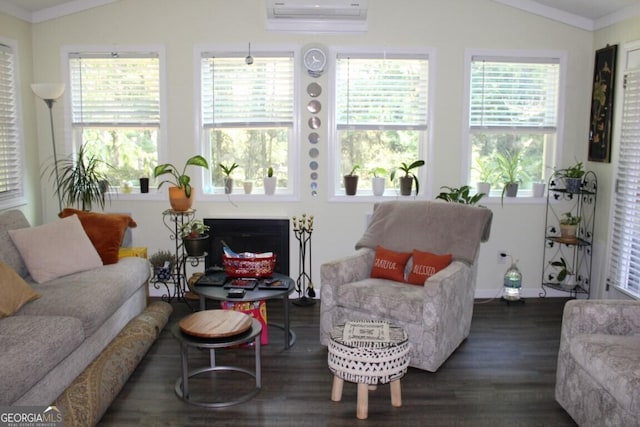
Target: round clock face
[[315, 59]]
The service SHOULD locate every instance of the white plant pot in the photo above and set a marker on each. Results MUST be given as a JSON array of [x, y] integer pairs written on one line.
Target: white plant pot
[[569, 283], [248, 187], [537, 189], [270, 184], [483, 187], [378, 183]]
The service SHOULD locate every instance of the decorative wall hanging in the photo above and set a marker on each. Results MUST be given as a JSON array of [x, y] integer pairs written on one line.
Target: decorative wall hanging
[[602, 104]]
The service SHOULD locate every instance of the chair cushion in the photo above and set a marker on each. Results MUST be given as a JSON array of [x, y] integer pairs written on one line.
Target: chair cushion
[[384, 298], [613, 361], [14, 290], [425, 265], [389, 264]]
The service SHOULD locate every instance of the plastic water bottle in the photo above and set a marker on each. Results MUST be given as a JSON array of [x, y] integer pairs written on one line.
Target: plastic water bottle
[[512, 283]]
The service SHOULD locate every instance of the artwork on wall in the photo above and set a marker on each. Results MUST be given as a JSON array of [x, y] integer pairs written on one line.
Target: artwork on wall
[[602, 104]]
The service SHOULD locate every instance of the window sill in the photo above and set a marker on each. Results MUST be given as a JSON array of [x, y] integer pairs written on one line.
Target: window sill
[[627, 292]]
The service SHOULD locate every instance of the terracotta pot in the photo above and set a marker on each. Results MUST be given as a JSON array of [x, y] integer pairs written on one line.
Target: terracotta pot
[[568, 231], [178, 200]]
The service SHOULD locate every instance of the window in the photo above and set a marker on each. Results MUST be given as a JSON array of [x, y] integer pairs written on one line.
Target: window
[[248, 119], [115, 111], [513, 114], [624, 258], [11, 190], [381, 114]]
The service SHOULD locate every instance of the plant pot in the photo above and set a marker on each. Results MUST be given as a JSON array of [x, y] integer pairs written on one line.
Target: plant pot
[[569, 283], [406, 184], [350, 184], [228, 185], [196, 246], [568, 231], [572, 185], [537, 189], [378, 184], [270, 185], [483, 187], [178, 200], [247, 186], [511, 189]]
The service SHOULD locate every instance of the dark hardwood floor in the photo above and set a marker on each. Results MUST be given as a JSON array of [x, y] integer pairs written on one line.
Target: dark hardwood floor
[[502, 375]]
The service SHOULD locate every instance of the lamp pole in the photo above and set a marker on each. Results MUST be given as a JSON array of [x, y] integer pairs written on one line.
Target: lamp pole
[[49, 103]]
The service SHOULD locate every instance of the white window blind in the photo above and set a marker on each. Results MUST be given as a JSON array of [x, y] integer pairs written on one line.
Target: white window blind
[[514, 93], [624, 262], [389, 92], [115, 89], [10, 158], [235, 94]]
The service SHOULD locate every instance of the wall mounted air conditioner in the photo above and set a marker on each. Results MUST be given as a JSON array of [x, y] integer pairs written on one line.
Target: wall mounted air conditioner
[[317, 15]]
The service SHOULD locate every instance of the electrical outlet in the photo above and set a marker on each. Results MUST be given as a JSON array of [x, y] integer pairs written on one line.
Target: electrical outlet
[[502, 257]]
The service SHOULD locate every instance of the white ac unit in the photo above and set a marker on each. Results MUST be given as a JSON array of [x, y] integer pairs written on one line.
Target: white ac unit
[[317, 15]]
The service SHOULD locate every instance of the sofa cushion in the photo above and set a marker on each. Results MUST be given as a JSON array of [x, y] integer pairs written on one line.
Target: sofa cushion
[[91, 296], [55, 249], [613, 361], [105, 230], [32, 346], [389, 299], [9, 254], [14, 290]]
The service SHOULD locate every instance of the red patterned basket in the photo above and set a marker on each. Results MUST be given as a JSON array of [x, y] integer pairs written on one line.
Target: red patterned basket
[[249, 267]]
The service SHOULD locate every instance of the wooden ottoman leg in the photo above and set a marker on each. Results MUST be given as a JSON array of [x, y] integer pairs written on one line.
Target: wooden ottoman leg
[[396, 393], [336, 390], [362, 410]]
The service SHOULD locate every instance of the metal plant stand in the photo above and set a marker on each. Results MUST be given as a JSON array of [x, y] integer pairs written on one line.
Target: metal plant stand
[[302, 229]]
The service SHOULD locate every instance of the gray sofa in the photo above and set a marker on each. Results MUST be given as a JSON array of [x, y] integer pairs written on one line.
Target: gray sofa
[[50, 341], [598, 376]]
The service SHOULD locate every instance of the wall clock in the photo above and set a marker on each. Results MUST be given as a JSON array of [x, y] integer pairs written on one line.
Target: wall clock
[[314, 60]]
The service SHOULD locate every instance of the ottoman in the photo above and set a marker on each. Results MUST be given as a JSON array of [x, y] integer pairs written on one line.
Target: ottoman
[[368, 353]]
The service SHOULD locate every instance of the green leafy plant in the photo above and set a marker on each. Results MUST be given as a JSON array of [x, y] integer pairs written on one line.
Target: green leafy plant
[[192, 229], [569, 219], [353, 170], [181, 180], [575, 171], [159, 258], [226, 169], [459, 195], [407, 168], [82, 181], [510, 168], [564, 268], [270, 172], [486, 169], [378, 171]]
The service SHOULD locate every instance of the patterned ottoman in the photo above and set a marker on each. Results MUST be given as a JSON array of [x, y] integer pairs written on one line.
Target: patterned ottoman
[[368, 353]]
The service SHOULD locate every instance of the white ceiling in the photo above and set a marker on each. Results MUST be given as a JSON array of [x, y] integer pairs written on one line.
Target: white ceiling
[[586, 14]]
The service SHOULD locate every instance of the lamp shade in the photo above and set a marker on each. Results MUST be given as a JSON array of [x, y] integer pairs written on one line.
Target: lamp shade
[[48, 90]]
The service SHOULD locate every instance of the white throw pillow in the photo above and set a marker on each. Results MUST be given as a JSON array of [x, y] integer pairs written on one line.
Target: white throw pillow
[[56, 249]]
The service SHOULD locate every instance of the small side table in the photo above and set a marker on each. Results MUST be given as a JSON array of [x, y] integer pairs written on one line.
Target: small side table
[[368, 353], [211, 329]]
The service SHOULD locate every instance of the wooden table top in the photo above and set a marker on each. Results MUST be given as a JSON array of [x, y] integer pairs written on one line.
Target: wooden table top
[[215, 323]]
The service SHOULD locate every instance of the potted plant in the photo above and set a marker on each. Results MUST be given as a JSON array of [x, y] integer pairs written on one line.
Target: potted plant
[[247, 185], [351, 181], [566, 277], [378, 181], [270, 182], [194, 237], [486, 174], [406, 180], [162, 263], [82, 180], [569, 225], [181, 191], [228, 181], [509, 167], [459, 195], [572, 177]]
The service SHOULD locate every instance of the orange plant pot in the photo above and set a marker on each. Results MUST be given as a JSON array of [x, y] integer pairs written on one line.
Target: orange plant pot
[[178, 200]]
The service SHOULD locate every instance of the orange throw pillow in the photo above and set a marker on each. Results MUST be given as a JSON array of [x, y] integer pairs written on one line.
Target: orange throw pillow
[[104, 230], [425, 265], [389, 264]]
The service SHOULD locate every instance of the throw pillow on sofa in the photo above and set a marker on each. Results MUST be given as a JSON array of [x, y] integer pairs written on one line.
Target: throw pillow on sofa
[[105, 230], [14, 290], [56, 249], [389, 264], [425, 265]]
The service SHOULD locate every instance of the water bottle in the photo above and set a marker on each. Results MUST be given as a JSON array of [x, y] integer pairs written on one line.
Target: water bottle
[[512, 283]]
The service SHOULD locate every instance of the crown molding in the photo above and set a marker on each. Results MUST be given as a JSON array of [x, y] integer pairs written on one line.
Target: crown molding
[[67, 8], [619, 16]]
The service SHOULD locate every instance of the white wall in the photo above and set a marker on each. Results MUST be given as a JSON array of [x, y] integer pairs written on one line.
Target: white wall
[[447, 27]]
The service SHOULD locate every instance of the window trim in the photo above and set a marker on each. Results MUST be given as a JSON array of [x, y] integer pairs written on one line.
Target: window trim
[[163, 149], [294, 165], [554, 156], [425, 149], [20, 198]]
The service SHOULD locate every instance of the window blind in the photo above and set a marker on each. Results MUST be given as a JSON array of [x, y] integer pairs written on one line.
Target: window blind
[[258, 95], [514, 94], [10, 158], [387, 93], [624, 258], [109, 89]]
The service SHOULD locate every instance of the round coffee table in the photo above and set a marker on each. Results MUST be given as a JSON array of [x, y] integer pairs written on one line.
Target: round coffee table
[[211, 329]]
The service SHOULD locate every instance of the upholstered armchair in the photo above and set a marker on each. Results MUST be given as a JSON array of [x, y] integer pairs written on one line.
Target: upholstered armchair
[[437, 314]]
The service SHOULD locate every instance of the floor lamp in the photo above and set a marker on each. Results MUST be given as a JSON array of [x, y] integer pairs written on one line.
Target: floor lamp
[[49, 92]]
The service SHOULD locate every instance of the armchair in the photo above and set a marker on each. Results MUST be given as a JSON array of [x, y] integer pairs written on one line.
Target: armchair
[[437, 315]]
